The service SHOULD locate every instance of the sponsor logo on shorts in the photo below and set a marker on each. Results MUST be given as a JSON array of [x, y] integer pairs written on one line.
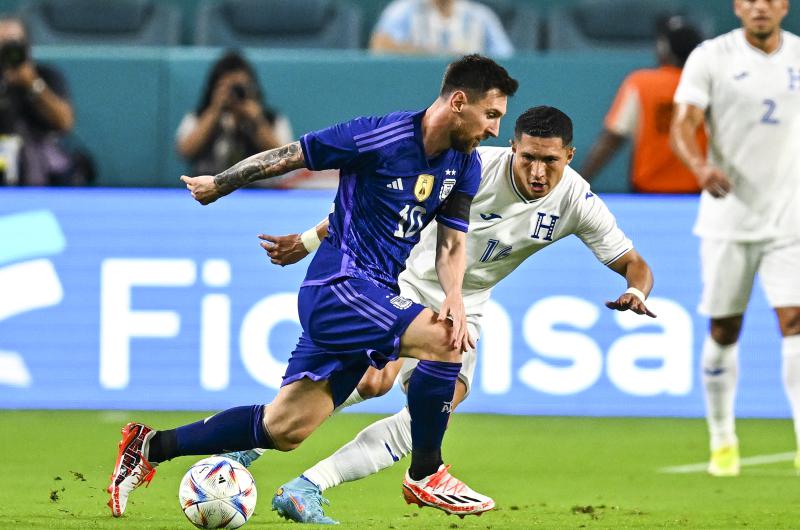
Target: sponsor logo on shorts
[[401, 302]]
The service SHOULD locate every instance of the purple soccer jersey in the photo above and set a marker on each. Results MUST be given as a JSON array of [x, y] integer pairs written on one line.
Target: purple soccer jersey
[[388, 192]]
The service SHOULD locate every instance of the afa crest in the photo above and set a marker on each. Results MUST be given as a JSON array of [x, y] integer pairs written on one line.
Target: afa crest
[[400, 302], [423, 187], [447, 187]]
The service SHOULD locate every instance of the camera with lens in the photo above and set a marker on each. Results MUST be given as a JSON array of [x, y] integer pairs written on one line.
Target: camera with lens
[[13, 54], [239, 92]]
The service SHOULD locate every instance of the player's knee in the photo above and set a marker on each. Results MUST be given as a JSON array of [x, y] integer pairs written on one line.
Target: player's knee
[[441, 344], [725, 331], [789, 320], [433, 343], [440, 350]]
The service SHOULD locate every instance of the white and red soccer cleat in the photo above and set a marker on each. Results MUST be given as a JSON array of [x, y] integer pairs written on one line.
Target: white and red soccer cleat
[[445, 492], [132, 468]]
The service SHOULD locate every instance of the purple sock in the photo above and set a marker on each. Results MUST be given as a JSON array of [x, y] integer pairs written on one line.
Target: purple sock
[[234, 429], [430, 398]]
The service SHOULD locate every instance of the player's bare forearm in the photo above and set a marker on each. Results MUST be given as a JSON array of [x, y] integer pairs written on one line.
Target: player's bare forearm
[[266, 164], [291, 248], [640, 282], [683, 136], [606, 146], [322, 228], [635, 270], [451, 259]]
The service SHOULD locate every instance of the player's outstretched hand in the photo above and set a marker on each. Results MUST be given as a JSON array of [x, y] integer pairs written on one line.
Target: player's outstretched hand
[[714, 181], [453, 307], [630, 302], [283, 250], [203, 188]]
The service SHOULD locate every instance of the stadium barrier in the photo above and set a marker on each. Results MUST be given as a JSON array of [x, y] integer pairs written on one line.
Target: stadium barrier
[[129, 101], [144, 299]]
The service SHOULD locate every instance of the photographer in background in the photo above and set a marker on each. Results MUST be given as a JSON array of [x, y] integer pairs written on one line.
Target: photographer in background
[[35, 115], [232, 121]]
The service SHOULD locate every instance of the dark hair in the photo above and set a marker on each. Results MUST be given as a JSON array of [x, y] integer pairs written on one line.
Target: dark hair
[[232, 61], [544, 122], [476, 75], [681, 36]]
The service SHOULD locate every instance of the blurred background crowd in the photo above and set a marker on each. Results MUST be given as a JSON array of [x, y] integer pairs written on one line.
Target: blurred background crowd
[[136, 92]]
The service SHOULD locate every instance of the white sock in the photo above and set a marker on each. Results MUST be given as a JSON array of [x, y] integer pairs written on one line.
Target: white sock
[[377, 447], [353, 399], [791, 378], [720, 365]]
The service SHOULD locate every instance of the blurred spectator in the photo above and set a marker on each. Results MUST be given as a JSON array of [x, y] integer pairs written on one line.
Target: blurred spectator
[[35, 115], [642, 109], [232, 120], [440, 27]]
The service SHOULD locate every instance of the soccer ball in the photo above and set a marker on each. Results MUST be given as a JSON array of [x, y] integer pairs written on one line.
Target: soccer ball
[[217, 492]]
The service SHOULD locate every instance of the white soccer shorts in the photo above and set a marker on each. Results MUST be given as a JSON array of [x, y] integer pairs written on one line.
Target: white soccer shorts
[[729, 269], [468, 359]]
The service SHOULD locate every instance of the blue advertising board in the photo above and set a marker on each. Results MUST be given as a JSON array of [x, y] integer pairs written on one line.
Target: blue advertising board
[[140, 299]]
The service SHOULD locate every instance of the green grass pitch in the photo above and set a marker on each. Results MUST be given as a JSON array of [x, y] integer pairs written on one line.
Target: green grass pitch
[[543, 472]]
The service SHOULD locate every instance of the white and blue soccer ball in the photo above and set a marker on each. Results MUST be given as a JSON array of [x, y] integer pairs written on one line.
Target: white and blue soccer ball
[[217, 492]]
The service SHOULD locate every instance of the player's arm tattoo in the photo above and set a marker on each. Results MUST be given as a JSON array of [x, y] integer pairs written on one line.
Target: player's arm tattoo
[[271, 163]]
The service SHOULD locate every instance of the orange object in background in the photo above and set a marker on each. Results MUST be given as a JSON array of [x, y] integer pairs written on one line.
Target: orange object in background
[[642, 110]]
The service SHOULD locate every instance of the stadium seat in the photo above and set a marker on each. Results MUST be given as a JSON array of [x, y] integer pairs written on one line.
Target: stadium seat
[[522, 23], [124, 22], [616, 24], [279, 24]]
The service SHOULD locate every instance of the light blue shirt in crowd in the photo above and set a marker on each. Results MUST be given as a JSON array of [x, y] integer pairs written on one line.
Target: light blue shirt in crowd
[[472, 28]]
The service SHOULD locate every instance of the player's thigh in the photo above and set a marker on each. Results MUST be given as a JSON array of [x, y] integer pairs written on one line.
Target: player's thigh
[[298, 409], [780, 277], [376, 382], [728, 272], [356, 316], [428, 339]]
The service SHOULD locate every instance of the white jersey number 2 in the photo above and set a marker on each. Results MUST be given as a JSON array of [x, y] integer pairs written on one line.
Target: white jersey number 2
[[769, 115]]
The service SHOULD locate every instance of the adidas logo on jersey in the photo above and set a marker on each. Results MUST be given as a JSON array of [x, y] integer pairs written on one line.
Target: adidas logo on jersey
[[396, 184]]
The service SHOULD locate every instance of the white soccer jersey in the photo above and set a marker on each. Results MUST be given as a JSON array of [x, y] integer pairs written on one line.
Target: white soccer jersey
[[752, 104], [505, 229]]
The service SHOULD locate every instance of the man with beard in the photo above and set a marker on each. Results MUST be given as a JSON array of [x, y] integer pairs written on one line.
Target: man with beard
[[529, 198], [397, 172]]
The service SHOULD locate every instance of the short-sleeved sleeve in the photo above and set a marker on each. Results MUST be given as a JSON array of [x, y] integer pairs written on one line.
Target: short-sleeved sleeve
[[187, 125], [469, 182], [454, 213], [695, 85], [497, 42], [623, 116], [395, 21], [598, 230], [334, 147]]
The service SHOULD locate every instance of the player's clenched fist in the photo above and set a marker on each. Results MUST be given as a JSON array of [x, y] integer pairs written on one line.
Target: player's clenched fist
[[203, 188]]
